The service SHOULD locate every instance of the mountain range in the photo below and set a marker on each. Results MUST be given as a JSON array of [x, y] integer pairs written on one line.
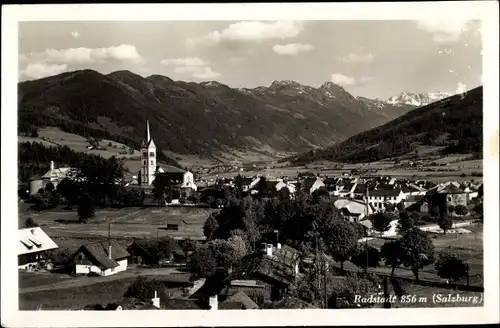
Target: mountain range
[[451, 125], [206, 119]]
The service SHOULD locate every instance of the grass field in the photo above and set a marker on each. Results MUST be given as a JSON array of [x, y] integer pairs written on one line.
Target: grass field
[[79, 291], [469, 247], [64, 228]]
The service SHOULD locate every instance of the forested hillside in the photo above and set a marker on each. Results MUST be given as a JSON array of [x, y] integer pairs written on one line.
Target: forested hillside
[[455, 122]]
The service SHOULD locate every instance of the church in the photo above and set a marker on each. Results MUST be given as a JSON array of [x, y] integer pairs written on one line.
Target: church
[[184, 179]]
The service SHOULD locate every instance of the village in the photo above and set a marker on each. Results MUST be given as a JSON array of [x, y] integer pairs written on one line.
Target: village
[[308, 240]]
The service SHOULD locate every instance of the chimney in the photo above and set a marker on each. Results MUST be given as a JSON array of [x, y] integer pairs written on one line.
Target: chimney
[[278, 246], [269, 250], [52, 165], [156, 300], [109, 251], [213, 303]]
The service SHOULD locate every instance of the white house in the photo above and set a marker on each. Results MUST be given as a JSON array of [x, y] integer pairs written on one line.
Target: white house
[[101, 258], [352, 209], [32, 243], [285, 184], [379, 198], [316, 185]]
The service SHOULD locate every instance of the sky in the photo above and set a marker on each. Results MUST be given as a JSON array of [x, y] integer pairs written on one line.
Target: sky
[[374, 59]]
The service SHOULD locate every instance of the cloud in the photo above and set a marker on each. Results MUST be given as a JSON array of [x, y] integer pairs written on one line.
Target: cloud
[[461, 88], [357, 57], [345, 80], [40, 70], [187, 61], [194, 66], [75, 34], [206, 73], [124, 52], [291, 49], [236, 59], [251, 31], [448, 30]]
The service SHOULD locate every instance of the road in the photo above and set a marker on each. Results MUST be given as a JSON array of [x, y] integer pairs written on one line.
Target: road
[[84, 281]]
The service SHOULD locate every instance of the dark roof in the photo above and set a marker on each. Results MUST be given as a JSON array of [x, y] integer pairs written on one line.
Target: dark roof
[[240, 300], [130, 303], [330, 181], [99, 253], [184, 304], [384, 192], [172, 169], [360, 188], [292, 303], [279, 267], [451, 189], [307, 184]]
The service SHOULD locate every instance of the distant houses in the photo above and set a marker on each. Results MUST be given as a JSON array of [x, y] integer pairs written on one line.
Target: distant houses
[[53, 175], [33, 242]]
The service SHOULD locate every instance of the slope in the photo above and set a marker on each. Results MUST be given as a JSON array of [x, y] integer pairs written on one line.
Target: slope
[[204, 119], [454, 122]]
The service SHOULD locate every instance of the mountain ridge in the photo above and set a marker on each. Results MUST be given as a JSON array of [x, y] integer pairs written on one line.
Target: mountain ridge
[[454, 123], [204, 118]]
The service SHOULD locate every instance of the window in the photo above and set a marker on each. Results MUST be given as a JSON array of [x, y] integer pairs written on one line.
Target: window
[[152, 154], [144, 154], [144, 162], [152, 163]]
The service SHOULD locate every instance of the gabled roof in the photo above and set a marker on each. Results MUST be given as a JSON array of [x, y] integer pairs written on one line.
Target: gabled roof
[[240, 300], [33, 240], [360, 188], [330, 181], [170, 169], [99, 253], [279, 267], [384, 192]]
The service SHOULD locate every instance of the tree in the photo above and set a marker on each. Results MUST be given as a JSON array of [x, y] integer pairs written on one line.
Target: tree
[[391, 254], [210, 227], [366, 256], [30, 223], [49, 187], [143, 288], [352, 286], [381, 221], [238, 247], [450, 266], [405, 222], [445, 222], [85, 208], [340, 240], [461, 210], [202, 263], [401, 206], [417, 250]]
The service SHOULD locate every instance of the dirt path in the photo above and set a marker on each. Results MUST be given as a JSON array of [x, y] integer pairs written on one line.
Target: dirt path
[[84, 281]]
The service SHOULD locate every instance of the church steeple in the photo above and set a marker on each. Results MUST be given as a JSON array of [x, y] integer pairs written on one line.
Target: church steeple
[[148, 136], [148, 150]]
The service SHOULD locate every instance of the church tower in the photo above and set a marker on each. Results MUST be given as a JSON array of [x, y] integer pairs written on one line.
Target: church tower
[[148, 158]]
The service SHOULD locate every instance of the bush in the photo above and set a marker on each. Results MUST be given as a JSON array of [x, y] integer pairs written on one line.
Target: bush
[[461, 210], [450, 266], [143, 288]]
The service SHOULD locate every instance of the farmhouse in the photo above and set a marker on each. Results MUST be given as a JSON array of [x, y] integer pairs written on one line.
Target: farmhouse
[[450, 193], [53, 176], [101, 258], [32, 243], [353, 210], [276, 268], [380, 198]]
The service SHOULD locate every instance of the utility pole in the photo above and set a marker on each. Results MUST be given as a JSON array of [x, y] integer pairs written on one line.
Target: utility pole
[[109, 234], [467, 271], [366, 247], [317, 264], [324, 282], [387, 303]]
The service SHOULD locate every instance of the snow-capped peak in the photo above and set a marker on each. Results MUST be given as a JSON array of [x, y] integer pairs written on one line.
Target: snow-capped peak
[[417, 99], [211, 84]]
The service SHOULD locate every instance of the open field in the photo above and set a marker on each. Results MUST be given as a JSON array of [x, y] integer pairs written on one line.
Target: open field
[[138, 222], [71, 293], [468, 246]]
